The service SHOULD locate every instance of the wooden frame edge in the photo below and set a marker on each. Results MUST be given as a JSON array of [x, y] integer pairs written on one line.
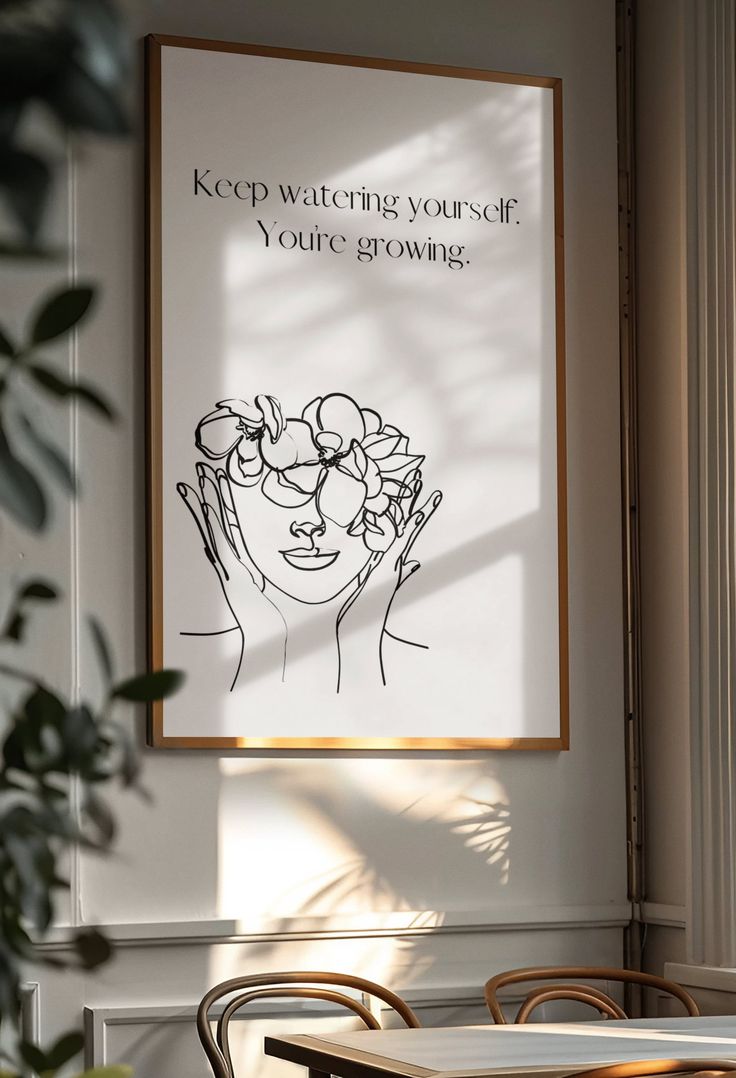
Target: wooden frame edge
[[153, 306], [276, 52], [561, 403], [372, 744]]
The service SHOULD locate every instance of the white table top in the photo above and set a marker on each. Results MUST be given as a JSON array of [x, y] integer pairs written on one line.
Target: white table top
[[536, 1048]]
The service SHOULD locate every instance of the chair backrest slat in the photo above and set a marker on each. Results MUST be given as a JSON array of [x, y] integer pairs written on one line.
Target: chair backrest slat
[[580, 993]]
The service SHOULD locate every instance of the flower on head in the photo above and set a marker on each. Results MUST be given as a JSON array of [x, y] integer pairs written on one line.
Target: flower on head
[[235, 430], [356, 467]]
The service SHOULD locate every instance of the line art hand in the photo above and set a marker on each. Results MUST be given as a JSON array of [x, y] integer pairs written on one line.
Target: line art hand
[[370, 602], [213, 510]]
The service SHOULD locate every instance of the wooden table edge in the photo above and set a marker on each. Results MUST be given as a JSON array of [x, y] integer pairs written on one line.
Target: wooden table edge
[[306, 1051]]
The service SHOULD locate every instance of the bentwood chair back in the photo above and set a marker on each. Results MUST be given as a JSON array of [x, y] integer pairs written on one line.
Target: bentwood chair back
[[582, 993], [643, 1068], [299, 984]]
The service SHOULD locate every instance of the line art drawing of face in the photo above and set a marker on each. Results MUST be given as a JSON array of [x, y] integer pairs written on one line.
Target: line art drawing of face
[[297, 550], [295, 512], [315, 497]]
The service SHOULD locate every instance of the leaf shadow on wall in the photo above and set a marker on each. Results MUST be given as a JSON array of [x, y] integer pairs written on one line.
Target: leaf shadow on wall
[[381, 842]]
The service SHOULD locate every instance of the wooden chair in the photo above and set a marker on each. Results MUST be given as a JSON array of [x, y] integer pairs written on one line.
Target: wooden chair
[[289, 984], [582, 993], [698, 1068]]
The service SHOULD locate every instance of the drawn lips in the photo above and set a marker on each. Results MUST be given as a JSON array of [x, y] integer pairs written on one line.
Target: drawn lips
[[309, 558]]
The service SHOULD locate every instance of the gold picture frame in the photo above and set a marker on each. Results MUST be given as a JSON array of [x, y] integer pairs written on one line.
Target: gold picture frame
[[157, 734]]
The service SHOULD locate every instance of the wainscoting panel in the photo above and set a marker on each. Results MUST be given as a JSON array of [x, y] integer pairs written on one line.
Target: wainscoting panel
[[141, 1008], [161, 1042]]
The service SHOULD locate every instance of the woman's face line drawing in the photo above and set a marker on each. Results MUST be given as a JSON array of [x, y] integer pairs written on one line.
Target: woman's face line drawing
[[310, 557], [299, 552], [316, 497]]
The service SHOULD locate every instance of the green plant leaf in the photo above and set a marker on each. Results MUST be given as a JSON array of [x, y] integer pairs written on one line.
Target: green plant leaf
[[33, 1056], [61, 387], [101, 816], [39, 589], [68, 1046], [102, 648], [9, 984], [16, 619], [33, 864], [52, 457], [82, 102], [20, 492], [28, 251], [17, 939], [130, 765], [25, 179], [44, 707], [147, 687], [81, 739], [26, 746], [15, 627], [7, 348], [60, 313], [92, 948]]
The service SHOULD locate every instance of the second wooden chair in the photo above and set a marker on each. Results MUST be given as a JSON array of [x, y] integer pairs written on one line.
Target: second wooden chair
[[581, 993]]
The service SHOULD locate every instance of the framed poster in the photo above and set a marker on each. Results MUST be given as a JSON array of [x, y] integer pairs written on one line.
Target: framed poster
[[357, 533]]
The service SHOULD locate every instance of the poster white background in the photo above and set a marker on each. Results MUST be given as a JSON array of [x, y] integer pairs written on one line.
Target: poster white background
[[461, 360]]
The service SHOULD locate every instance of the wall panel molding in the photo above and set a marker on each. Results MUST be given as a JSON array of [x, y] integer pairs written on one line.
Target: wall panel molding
[[663, 914], [101, 1022], [711, 977], [378, 925], [713, 987]]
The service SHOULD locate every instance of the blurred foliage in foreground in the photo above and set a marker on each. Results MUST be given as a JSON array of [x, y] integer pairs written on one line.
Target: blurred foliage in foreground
[[66, 61]]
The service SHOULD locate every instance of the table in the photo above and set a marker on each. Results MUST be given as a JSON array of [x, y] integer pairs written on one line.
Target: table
[[549, 1050]]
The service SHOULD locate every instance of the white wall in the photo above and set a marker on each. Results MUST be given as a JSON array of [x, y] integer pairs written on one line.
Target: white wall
[[422, 871]]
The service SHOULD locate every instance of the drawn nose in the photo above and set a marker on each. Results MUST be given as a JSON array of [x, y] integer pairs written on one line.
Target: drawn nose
[[307, 528]]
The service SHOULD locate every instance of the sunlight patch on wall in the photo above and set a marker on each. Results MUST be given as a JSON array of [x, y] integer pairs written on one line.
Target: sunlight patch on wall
[[374, 959], [359, 838]]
